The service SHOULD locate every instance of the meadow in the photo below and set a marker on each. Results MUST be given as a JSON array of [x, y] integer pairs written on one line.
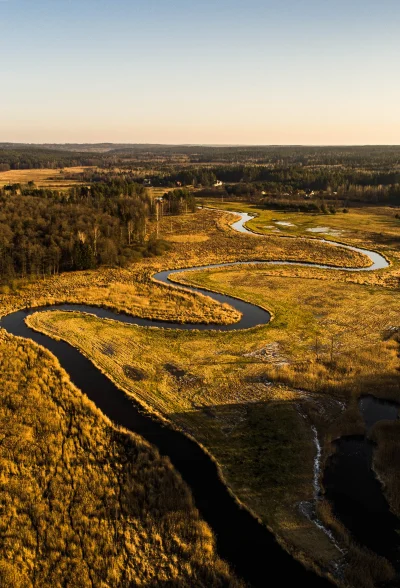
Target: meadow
[[201, 238], [43, 178], [375, 226]]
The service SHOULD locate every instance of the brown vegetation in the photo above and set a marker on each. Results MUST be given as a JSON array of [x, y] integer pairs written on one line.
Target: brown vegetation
[[43, 178], [129, 291], [132, 290], [83, 503]]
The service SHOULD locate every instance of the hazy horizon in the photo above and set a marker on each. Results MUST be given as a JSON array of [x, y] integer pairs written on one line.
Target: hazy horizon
[[183, 73], [222, 145]]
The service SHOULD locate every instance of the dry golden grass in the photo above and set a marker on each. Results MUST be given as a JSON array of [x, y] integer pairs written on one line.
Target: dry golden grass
[[375, 228], [131, 291], [187, 238], [224, 244], [43, 178], [332, 333], [372, 224], [83, 503], [325, 342]]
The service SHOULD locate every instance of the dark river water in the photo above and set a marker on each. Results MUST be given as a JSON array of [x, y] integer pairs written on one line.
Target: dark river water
[[354, 490], [246, 544]]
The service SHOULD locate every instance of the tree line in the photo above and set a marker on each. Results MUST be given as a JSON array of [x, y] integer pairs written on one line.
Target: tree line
[[36, 158], [44, 232], [24, 156]]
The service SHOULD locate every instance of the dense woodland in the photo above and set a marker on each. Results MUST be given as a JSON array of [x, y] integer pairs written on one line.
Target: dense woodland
[[105, 223], [36, 158]]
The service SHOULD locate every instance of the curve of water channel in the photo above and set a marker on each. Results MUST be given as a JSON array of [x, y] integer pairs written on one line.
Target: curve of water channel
[[249, 547], [354, 490]]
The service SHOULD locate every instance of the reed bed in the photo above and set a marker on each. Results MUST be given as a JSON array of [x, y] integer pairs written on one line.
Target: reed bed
[[84, 503]]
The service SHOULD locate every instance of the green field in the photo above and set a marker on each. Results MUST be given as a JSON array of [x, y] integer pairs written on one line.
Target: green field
[[376, 223]]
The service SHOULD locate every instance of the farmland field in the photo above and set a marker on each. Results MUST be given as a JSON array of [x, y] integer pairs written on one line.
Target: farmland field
[[43, 178]]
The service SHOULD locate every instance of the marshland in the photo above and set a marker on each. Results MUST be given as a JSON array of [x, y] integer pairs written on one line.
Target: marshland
[[257, 402]]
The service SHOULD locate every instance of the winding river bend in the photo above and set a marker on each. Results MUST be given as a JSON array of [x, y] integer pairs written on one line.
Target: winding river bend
[[246, 544], [355, 492]]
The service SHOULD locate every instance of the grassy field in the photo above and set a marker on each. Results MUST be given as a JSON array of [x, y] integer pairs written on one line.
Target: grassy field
[[130, 291], [356, 222], [159, 192], [43, 178], [248, 397], [373, 226], [83, 503]]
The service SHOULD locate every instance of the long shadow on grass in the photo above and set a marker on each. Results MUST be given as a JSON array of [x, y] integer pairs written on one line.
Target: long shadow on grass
[[267, 454]]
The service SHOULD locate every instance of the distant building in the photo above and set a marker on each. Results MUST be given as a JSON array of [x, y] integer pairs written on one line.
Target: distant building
[[217, 184], [146, 182]]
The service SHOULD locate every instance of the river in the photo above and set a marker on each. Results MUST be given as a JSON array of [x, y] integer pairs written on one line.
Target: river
[[249, 547]]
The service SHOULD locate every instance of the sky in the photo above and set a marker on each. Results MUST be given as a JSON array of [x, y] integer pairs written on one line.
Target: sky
[[309, 72]]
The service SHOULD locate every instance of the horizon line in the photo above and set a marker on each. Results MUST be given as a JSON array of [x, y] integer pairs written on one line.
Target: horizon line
[[29, 143]]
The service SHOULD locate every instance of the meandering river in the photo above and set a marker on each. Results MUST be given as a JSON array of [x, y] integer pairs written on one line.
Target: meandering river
[[244, 542]]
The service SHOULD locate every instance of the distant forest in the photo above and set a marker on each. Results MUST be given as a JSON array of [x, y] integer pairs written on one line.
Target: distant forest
[[349, 182], [106, 223], [23, 156], [275, 174]]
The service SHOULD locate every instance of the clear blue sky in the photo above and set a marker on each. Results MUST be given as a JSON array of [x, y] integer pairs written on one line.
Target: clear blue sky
[[185, 71]]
